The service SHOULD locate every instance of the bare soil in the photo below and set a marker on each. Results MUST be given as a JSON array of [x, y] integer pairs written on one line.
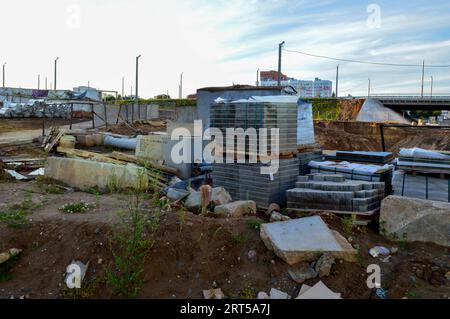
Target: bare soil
[[193, 254], [17, 125], [359, 136]]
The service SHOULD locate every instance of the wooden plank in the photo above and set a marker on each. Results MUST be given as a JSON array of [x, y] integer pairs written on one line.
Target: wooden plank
[[89, 155], [133, 159], [55, 141]]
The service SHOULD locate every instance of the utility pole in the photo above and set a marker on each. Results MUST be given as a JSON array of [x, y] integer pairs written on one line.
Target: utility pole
[[137, 89], [56, 64], [257, 77], [337, 80], [46, 83], [89, 84], [180, 87], [4, 74], [423, 76], [39, 81], [280, 48], [123, 87], [432, 86], [368, 90]]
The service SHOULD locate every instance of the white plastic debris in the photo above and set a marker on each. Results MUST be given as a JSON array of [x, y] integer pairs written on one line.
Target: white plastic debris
[[16, 175], [379, 251], [38, 172]]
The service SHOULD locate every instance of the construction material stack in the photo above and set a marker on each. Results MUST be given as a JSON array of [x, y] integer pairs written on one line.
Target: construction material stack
[[356, 171], [246, 181], [331, 192]]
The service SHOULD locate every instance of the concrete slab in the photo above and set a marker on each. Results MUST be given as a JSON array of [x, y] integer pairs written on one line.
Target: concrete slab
[[236, 209], [305, 239], [413, 219], [84, 174], [318, 291]]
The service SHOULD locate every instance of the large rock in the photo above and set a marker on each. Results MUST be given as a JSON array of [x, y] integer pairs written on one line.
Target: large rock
[[236, 209], [413, 219], [305, 239], [219, 197], [84, 174]]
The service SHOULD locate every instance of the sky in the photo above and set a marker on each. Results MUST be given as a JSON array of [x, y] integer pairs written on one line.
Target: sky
[[224, 42]]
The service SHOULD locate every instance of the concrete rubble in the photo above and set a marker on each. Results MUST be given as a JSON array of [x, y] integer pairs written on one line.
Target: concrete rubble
[[305, 239], [318, 291], [213, 294], [5, 256], [411, 219], [236, 209], [219, 196]]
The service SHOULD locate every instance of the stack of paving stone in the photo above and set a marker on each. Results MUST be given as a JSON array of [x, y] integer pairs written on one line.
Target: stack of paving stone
[[306, 157], [335, 193], [362, 157], [355, 171], [245, 181], [258, 115]]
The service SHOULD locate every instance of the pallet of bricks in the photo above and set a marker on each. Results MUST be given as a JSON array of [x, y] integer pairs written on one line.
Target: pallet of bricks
[[334, 193], [245, 181]]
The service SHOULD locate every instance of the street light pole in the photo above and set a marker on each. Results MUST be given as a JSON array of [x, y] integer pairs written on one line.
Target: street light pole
[[337, 80], [432, 86], [39, 81], [423, 75], [137, 90], [257, 77], [56, 64], [4, 74], [123, 87], [280, 48], [368, 91], [180, 87]]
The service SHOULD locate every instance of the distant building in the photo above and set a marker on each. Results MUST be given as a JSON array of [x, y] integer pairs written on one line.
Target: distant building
[[316, 88], [271, 76]]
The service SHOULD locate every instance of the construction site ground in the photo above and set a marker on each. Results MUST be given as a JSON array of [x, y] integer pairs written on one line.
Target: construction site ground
[[192, 253]]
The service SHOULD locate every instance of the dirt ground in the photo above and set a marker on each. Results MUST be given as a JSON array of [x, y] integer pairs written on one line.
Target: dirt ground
[[192, 254], [144, 127], [358, 136], [16, 125]]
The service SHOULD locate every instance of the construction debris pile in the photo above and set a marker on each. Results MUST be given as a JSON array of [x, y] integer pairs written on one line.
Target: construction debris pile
[[34, 108]]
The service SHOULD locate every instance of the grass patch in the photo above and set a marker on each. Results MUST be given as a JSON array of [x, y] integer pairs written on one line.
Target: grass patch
[[254, 224], [249, 292], [239, 239], [75, 207], [133, 237], [15, 216], [88, 290], [348, 224]]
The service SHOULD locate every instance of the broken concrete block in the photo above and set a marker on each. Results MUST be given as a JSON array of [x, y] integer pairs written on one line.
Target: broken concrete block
[[278, 294], [236, 209], [278, 217], [413, 219], [305, 239], [273, 207], [323, 265], [301, 272], [262, 295], [219, 197], [318, 291], [83, 174], [213, 294]]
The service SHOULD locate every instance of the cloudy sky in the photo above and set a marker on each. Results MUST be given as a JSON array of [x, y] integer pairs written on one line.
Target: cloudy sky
[[220, 42]]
